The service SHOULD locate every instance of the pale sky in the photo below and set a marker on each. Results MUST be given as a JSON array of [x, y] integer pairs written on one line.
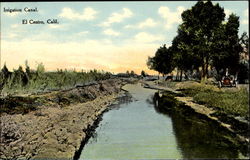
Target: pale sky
[[110, 36]]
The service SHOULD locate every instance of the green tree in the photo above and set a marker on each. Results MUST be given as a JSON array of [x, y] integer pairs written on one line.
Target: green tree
[[244, 60], [151, 63], [132, 73], [200, 23], [4, 76], [184, 58], [162, 62], [127, 72], [226, 48], [244, 41], [234, 47], [27, 69], [40, 68], [143, 73], [19, 78]]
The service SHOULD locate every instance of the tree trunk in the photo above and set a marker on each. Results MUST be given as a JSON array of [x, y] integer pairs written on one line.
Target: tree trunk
[[186, 76], [207, 63], [204, 70], [177, 74], [181, 75]]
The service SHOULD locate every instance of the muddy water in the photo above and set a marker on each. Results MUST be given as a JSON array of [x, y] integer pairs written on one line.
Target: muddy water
[[138, 130]]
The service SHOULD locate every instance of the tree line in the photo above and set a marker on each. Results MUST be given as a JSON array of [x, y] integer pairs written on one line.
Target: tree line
[[205, 42], [35, 80]]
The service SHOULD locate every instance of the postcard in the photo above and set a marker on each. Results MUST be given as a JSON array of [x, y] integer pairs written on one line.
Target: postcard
[[116, 80]]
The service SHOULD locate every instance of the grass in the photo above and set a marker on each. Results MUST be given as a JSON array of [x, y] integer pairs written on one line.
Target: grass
[[235, 103], [229, 101]]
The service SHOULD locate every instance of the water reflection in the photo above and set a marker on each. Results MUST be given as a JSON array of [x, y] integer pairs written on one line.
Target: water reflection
[[145, 128], [124, 98], [197, 137]]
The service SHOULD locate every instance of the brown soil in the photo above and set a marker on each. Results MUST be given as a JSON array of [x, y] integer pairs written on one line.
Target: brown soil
[[57, 123]]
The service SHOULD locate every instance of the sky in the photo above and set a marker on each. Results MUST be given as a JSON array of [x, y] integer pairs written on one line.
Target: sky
[[110, 36]]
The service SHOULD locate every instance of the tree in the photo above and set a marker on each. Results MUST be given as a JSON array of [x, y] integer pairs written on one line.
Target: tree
[[200, 23], [219, 50], [4, 76], [127, 72], [183, 55], [18, 78], [151, 63], [132, 73], [244, 59], [162, 62], [27, 69], [5, 72], [143, 73], [244, 41], [234, 47], [40, 68], [227, 48]]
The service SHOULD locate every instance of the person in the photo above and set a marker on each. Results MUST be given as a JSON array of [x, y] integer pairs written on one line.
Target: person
[[226, 71]]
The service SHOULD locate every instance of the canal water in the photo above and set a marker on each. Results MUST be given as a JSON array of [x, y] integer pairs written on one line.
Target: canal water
[[138, 130]]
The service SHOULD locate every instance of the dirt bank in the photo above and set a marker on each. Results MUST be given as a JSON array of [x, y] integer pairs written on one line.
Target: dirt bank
[[57, 123]]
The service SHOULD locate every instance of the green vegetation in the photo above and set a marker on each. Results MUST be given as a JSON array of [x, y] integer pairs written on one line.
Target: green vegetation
[[206, 44], [232, 102], [20, 81], [143, 73], [161, 62]]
